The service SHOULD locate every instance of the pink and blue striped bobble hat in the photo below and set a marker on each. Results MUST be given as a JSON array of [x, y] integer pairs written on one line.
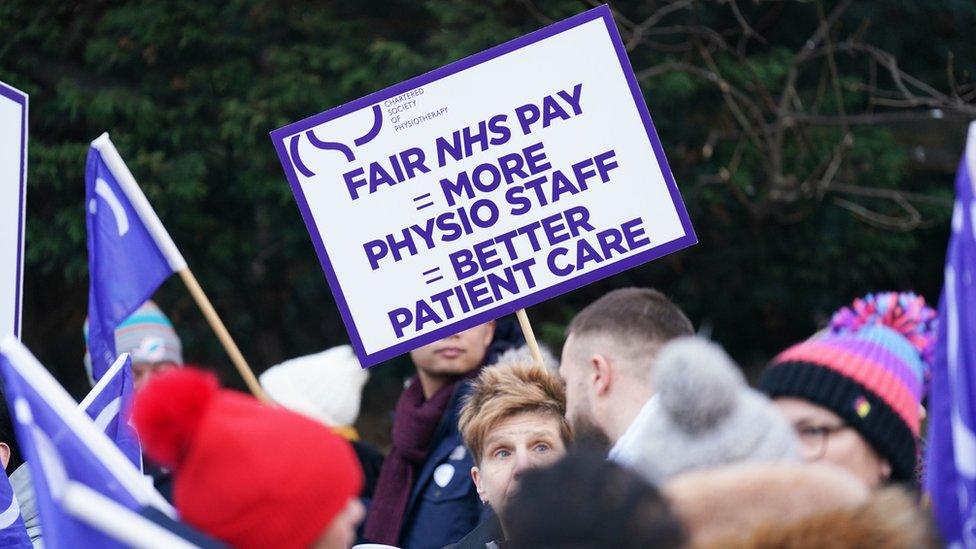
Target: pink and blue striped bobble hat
[[871, 368]]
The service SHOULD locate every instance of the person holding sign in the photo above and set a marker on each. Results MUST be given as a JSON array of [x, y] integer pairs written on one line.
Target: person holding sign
[[513, 421], [425, 497], [606, 363]]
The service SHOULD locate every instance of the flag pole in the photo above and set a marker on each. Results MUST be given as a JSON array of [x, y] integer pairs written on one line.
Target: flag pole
[[105, 380], [222, 334], [175, 259], [530, 340]]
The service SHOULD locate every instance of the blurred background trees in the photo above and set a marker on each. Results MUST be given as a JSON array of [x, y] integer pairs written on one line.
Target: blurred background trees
[[814, 142]]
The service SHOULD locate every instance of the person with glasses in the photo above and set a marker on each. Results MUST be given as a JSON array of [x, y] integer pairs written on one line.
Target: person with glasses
[[853, 392]]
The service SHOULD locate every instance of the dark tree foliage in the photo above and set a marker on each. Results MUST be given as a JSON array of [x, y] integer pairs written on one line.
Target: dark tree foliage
[[814, 143]]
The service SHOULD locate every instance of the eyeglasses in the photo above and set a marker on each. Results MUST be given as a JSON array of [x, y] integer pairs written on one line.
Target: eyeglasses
[[813, 438]]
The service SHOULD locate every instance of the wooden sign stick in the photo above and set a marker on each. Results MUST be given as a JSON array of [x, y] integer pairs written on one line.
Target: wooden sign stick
[[529, 336]]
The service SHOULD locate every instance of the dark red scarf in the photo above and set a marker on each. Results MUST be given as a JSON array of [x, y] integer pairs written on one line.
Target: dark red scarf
[[414, 423]]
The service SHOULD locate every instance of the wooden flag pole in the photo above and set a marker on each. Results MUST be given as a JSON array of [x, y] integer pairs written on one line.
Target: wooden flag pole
[[174, 258], [529, 336], [223, 335]]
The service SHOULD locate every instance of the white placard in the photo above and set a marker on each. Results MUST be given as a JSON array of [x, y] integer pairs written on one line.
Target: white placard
[[13, 190], [485, 186]]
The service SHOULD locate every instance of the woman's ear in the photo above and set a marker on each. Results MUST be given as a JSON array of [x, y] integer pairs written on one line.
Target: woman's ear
[[476, 477], [885, 468]]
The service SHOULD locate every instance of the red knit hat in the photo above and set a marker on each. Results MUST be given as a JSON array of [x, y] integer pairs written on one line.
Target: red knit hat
[[247, 474]]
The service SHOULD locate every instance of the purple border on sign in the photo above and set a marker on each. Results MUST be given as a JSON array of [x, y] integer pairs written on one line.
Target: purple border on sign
[[368, 359], [19, 97]]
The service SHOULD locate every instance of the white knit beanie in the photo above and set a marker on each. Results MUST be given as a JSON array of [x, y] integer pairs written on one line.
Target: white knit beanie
[[325, 386], [705, 415]]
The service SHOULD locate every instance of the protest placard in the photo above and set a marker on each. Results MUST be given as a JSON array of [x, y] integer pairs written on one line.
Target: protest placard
[[13, 188], [485, 186]]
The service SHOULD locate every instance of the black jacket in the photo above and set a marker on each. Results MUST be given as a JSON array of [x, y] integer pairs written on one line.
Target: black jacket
[[489, 531]]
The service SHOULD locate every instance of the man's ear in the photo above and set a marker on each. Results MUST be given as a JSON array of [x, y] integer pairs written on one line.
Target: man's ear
[[602, 373], [4, 454], [476, 477]]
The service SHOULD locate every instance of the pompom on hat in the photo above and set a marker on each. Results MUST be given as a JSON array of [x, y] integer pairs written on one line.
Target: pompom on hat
[[870, 367], [247, 474], [705, 415]]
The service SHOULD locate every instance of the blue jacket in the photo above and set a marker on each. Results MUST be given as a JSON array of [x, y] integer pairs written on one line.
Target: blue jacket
[[444, 504]]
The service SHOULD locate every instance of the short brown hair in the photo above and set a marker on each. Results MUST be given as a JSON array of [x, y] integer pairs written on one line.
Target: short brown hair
[[504, 390], [630, 325], [641, 313]]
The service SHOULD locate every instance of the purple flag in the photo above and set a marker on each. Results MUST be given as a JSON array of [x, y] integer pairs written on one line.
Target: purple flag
[[13, 534], [109, 404], [129, 251], [73, 465], [950, 476]]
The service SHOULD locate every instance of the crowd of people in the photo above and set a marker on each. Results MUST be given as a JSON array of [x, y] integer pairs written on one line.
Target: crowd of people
[[642, 434]]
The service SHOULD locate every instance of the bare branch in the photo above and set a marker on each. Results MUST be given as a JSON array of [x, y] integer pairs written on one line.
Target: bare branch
[[747, 31], [777, 131], [891, 194], [713, 77], [618, 17], [825, 25], [881, 221], [951, 75], [536, 12], [691, 31], [832, 66], [732, 100], [829, 169], [789, 87], [638, 32], [868, 118]]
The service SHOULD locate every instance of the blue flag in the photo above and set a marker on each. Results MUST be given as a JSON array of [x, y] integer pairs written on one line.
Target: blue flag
[[950, 475], [13, 533], [109, 404], [71, 461], [129, 251]]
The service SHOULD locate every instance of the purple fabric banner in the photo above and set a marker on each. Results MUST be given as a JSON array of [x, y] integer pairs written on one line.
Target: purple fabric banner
[[109, 404], [950, 476], [125, 263]]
